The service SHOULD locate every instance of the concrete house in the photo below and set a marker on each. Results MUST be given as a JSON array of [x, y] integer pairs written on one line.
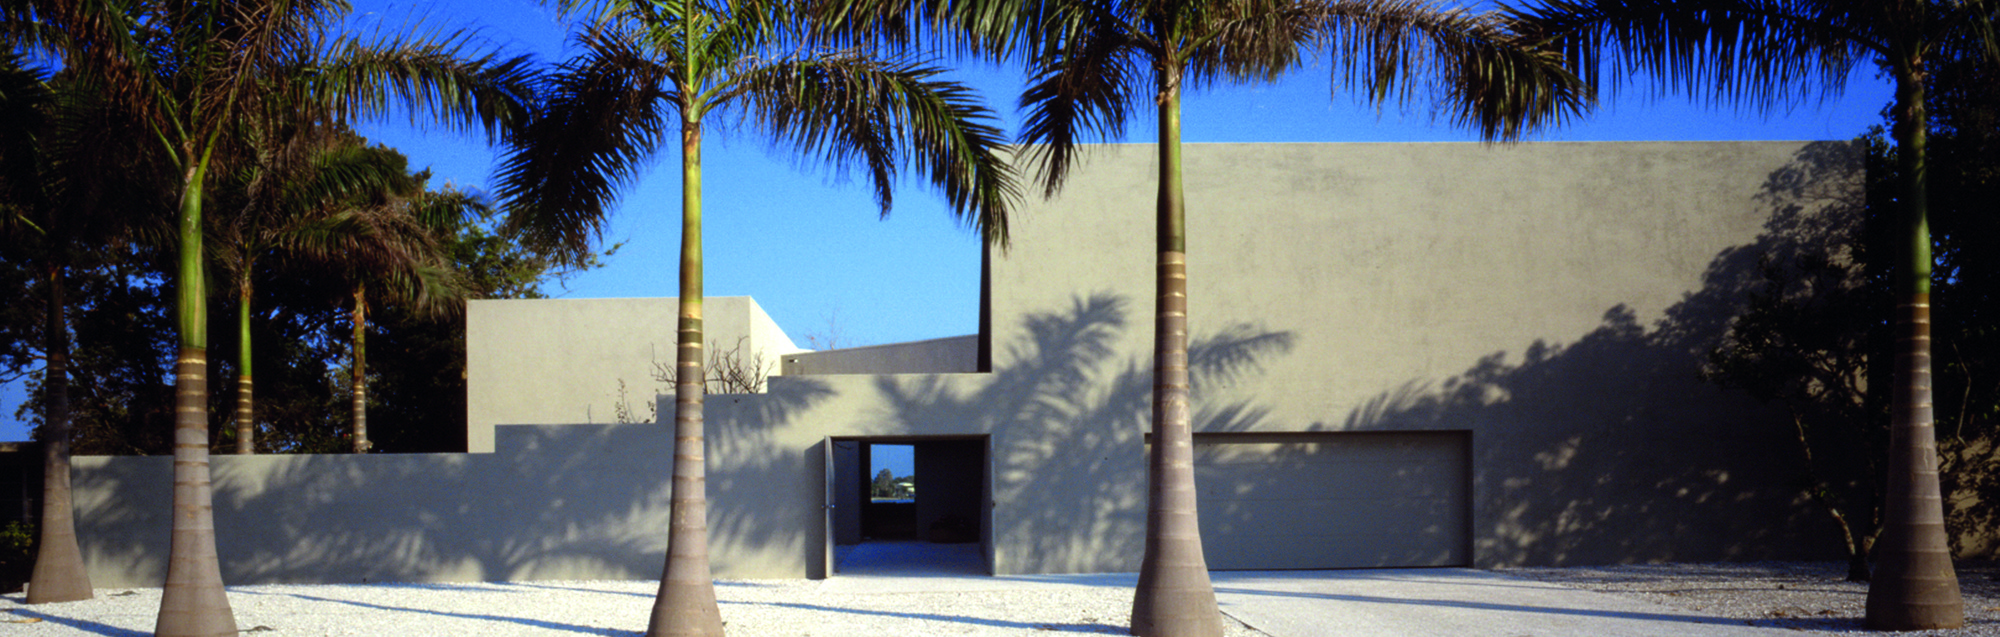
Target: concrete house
[[1404, 355]]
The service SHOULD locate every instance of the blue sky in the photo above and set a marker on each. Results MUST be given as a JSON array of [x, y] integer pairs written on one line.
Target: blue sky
[[809, 246]]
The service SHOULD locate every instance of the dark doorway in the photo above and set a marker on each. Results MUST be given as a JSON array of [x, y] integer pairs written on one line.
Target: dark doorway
[[909, 504]]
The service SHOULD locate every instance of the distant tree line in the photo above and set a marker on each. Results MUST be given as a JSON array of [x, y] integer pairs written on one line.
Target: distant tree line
[[120, 317], [888, 486]]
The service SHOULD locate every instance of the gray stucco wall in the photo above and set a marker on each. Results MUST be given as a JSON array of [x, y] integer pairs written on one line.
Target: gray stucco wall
[[1550, 301], [953, 355], [559, 361], [1553, 300], [555, 502]]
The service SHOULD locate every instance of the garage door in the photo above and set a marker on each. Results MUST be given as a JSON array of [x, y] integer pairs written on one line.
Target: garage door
[[1333, 500]]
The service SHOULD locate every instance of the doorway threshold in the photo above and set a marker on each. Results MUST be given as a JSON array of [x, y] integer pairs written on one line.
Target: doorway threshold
[[909, 558]]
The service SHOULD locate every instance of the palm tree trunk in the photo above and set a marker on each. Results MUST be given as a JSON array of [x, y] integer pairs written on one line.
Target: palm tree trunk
[[1914, 586], [59, 574], [686, 602], [361, 444], [193, 603], [246, 428], [1174, 596]]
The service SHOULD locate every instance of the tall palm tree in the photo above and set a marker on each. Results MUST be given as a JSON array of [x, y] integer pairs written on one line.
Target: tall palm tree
[[189, 70], [71, 173], [409, 265], [607, 115], [1088, 59], [26, 194], [1767, 52]]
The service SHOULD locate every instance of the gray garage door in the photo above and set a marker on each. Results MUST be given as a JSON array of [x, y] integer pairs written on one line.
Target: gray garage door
[[1333, 500]]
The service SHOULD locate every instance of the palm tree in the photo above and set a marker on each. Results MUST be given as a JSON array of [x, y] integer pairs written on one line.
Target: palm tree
[[1768, 52], [26, 102], [606, 116], [1087, 60], [70, 174], [189, 71], [410, 265]]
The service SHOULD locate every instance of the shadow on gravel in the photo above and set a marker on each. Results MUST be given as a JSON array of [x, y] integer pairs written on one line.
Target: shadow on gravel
[[957, 619], [1489, 606], [648, 595], [533, 623], [85, 626]]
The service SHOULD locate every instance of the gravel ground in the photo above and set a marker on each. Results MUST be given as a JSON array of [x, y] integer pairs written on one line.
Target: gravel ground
[[1813, 597], [1810, 598], [761, 608]]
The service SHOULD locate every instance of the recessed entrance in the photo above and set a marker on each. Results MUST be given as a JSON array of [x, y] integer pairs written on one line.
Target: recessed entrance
[[909, 505]]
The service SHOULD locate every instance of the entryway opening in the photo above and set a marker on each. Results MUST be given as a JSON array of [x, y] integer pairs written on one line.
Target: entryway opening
[[908, 505]]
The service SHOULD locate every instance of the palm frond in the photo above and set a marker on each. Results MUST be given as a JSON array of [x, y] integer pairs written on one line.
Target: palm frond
[[1972, 30], [1478, 71], [350, 175], [434, 78], [333, 238], [601, 123], [1084, 86], [1764, 53], [848, 108], [401, 256], [24, 98], [445, 211], [430, 289], [1252, 40]]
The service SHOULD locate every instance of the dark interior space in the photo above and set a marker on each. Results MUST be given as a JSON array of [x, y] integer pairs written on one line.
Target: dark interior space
[[941, 507]]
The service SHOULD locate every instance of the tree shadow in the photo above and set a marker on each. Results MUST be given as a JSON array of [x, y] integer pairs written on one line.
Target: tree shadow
[[82, 625], [555, 502], [1612, 448], [1069, 425], [521, 621]]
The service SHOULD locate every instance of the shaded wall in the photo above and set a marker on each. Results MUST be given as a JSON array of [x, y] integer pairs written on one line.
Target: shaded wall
[[562, 502]]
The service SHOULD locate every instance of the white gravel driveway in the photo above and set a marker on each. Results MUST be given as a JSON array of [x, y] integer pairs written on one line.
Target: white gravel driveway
[[1666, 600]]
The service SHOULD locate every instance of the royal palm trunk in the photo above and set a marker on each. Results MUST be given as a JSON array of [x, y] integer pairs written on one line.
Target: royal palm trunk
[[192, 604], [1914, 586], [1174, 596], [246, 428], [686, 603], [361, 444], [59, 575]]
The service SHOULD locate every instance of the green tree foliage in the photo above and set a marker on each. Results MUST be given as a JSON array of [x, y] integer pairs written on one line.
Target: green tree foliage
[[884, 485], [1765, 53], [1809, 334], [122, 394]]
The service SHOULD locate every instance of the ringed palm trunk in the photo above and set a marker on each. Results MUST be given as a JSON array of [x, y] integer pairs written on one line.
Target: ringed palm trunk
[[1174, 596], [361, 444], [59, 574], [246, 427], [1914, 587], [192, 604], [686, 602]]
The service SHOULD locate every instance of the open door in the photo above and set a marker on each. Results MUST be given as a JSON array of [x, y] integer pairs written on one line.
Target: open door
[[986, 511], [826, 556]]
